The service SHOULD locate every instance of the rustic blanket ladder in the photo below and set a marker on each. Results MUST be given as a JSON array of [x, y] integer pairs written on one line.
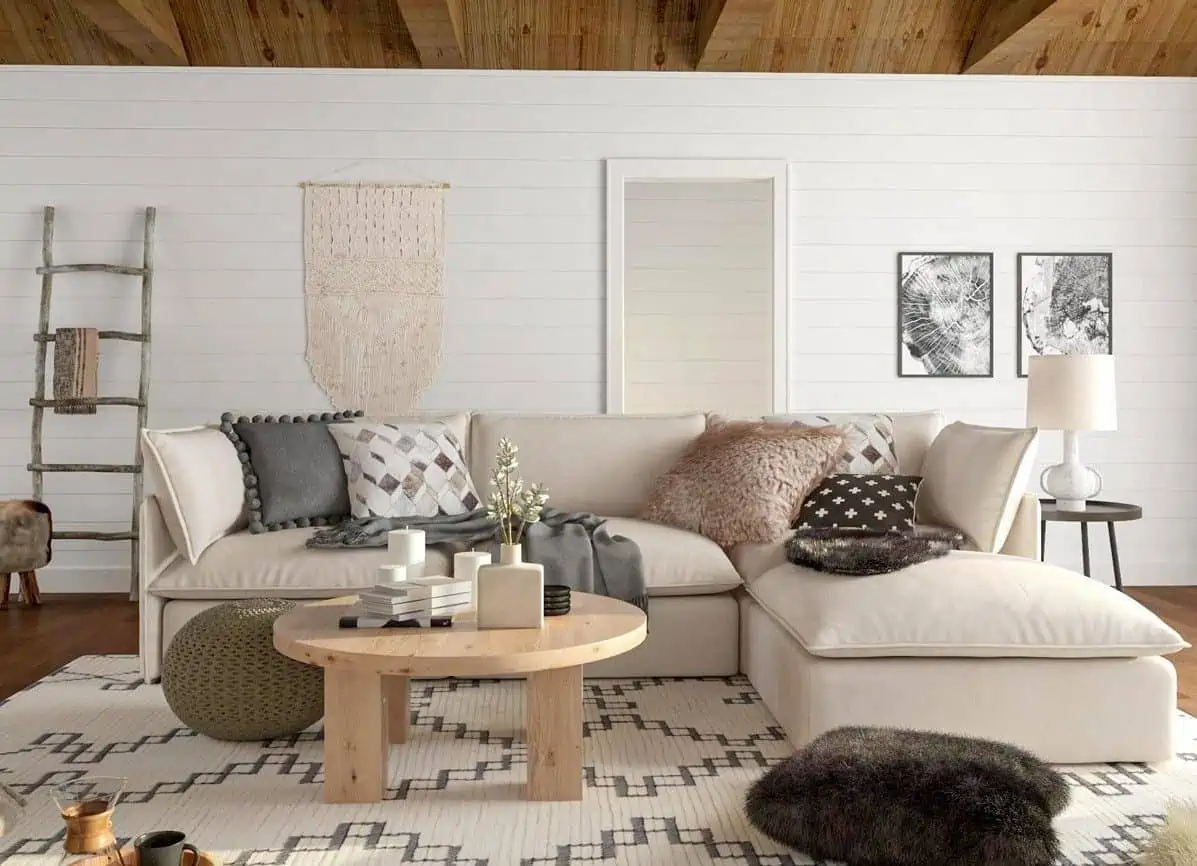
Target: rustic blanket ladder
[[75, 379]]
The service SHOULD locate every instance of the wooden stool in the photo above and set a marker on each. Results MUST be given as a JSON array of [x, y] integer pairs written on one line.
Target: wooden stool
[[26, 528]]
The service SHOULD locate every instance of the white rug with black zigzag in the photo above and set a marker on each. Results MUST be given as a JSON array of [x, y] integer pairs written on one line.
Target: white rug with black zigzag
[[667, 766]]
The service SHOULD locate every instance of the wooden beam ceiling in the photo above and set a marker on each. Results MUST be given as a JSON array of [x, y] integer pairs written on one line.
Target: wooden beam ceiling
[[1021, 37], [1011, 30], [727, 30], [146, 28], [435, 28]]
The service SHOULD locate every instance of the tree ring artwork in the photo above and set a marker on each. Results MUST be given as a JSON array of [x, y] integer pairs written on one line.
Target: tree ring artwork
[[945, 314], [1065, 305]]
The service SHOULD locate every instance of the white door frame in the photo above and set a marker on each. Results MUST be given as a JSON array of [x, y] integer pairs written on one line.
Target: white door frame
[[620, 172]]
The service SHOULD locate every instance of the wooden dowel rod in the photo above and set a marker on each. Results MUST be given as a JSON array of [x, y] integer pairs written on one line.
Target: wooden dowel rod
[[85, 535], [39, 357], [123, 270], [143, 390], [104, 335], [86, 401], [126, 468]]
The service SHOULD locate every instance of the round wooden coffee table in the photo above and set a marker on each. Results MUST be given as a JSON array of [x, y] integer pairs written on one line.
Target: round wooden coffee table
[[366, 674]]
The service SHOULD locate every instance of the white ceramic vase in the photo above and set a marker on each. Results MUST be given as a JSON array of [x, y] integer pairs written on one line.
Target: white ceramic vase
[[511, 591]]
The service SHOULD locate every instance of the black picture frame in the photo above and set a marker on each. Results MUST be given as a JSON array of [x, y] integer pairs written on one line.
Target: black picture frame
[[1020, 298], [939, 367]]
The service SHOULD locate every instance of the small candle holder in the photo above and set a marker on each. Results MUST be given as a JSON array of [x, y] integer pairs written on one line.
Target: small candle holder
[[556, 600]]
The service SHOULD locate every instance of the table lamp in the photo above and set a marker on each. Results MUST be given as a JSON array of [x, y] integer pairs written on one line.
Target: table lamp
[[1071, 393]]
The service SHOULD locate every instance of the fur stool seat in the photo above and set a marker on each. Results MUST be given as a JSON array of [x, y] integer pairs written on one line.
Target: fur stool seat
[[26, 528], [891, 797]]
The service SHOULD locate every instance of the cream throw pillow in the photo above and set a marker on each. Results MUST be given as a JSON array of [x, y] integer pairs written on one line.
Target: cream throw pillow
[[198, 479], [974, 478], [744, 481]]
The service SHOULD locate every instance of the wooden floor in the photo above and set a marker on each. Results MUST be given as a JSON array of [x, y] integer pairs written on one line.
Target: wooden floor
[[35, 642]]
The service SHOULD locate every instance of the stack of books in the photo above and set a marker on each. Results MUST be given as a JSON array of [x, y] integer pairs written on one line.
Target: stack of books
[[421, 598]]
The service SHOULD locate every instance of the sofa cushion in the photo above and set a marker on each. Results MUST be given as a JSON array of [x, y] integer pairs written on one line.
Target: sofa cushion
[[457, 422], [744, 481], [848, 501], [404, 469], [913, 433], [677, 562], [603, 464], [294, 474], [973, 480], [967, 604], [277, 564], [868, 440], [198, 479]]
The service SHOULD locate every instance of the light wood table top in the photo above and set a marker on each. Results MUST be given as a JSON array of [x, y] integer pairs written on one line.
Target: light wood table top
[[596, 628]]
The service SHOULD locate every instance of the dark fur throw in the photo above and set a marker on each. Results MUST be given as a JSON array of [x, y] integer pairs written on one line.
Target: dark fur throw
[[860, 552], [891, 797], [25, 531]]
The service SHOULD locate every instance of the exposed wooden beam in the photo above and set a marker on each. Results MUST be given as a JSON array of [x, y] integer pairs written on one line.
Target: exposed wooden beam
[[146, 28], [726, 30], [1013, 30], [435, 28]]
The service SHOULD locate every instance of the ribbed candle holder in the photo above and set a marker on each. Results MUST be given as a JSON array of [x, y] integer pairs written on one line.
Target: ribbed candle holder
[[556, 600]]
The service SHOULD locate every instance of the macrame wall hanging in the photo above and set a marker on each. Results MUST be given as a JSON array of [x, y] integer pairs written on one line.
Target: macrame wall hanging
[[374, 277]]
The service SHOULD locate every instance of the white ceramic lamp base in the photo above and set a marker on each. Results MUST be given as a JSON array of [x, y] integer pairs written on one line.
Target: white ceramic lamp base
[[1071, 483]]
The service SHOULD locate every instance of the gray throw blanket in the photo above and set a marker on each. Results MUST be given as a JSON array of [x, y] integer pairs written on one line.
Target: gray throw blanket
[[576, 549]]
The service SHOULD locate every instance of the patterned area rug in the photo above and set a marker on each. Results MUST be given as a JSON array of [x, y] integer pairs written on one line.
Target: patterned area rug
[[667, 765]]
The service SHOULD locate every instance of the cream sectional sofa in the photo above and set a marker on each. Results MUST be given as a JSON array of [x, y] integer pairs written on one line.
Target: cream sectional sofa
[[717, 614]]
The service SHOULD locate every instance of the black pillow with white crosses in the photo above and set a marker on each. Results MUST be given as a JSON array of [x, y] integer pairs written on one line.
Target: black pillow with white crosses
[[882, 503]]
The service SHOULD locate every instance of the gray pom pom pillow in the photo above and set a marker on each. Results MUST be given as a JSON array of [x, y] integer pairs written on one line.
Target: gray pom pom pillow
[[294, 473]]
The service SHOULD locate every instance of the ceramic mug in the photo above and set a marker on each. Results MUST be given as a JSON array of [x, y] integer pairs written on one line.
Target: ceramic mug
[[164, 848]]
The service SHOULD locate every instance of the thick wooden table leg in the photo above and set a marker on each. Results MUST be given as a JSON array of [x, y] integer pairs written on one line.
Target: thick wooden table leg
[[554, 708], [398, 708], [4, 590], [355, 737]]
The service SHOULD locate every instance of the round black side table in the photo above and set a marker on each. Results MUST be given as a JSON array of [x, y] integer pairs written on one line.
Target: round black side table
[[1096, 511]]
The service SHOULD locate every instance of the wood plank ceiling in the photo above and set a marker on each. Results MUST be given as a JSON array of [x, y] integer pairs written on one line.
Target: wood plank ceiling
[[1031, 37]]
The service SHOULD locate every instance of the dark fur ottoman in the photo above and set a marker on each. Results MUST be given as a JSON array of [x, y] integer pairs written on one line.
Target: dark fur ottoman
[[889, 797]]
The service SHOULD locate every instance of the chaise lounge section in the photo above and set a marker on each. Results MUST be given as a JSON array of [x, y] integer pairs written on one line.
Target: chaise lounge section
[[717, 613]]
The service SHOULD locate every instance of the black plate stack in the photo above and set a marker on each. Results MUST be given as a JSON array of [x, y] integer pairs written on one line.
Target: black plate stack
[[556, 600]]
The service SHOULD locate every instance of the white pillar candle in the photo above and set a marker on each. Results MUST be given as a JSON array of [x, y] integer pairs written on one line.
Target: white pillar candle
[[465, 567], [392, 573], [406, 547]]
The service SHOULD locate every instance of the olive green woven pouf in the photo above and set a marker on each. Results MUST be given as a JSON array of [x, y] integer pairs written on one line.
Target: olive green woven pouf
[[223, 677]]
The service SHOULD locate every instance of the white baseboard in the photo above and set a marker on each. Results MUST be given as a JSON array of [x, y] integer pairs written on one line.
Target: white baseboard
[[75, 580]]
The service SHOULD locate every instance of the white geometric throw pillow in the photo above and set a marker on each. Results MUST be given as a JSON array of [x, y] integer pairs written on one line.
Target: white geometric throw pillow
[[869, 440], [404, 470]]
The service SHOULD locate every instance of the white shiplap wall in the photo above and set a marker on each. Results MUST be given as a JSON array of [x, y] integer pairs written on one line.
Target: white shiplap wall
[[698, 297], [878, 165]]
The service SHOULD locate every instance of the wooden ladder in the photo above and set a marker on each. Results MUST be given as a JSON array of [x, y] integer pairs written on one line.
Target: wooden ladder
[[40, 403]]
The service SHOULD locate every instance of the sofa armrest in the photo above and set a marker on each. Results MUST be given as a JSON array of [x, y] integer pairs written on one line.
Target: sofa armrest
[[157, 552], [157, 547], [1024, 537]]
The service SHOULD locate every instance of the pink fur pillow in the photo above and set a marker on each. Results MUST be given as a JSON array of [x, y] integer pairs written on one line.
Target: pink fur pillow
[[744, 481]]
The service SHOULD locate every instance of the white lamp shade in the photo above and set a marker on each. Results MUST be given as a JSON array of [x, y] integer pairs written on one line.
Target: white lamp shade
[[1071, 392]]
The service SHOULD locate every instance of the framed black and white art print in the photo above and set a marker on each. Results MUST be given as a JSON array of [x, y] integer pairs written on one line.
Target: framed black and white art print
[[1065, 305], [945, 314]]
